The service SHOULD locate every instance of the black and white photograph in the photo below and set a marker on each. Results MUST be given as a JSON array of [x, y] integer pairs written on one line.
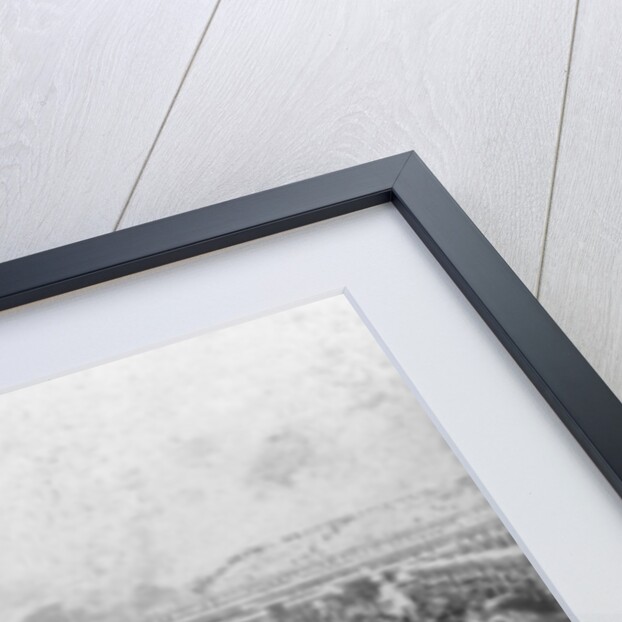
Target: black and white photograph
[[310, 311], [278, 470]]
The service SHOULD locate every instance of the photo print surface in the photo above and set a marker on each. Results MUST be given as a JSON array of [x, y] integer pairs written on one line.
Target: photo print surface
[[276, 471]]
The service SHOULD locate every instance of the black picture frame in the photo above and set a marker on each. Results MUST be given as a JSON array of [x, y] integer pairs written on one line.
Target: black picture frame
[[572, 388]]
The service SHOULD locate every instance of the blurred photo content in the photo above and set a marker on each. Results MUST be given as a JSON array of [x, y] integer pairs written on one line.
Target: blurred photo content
[[278, 470]]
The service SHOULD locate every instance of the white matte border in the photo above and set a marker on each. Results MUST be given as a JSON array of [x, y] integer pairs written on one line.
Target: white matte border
[[550, 495]]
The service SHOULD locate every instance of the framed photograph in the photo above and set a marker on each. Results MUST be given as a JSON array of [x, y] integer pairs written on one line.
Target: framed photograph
[[331, 401]]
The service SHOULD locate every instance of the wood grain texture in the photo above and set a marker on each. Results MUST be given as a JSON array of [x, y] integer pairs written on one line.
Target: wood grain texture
[[582, 275], [84, 87], [279, 92]]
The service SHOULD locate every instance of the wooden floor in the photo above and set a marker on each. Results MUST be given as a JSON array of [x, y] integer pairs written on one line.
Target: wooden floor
[[113, 114]]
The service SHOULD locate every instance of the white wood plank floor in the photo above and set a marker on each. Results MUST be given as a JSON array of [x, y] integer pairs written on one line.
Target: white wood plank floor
[[115, 114], [84, 87], [582, 276], [282, 91]]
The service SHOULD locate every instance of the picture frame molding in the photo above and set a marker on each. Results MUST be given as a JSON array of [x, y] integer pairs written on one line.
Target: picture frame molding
[[568, 383]]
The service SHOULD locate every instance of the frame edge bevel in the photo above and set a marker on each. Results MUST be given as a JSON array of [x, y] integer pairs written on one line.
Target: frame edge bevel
[[120, 253], [572, 388]]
